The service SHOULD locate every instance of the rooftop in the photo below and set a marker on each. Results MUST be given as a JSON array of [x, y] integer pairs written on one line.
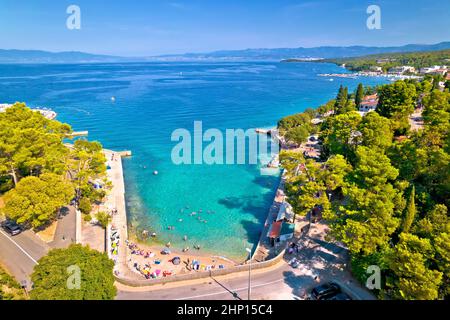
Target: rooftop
[[275, 229]]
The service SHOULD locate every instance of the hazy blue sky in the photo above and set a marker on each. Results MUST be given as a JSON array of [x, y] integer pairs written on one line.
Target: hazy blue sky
[[148, 27]]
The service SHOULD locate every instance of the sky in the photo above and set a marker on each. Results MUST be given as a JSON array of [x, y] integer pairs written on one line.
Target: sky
[[154, 27]]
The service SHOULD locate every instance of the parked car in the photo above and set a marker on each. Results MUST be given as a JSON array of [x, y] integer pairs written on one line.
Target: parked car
[[325, 291], [12, 228], [340, 296]]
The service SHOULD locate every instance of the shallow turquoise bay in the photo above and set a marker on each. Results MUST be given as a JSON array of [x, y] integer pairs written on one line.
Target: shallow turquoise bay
[[152, 100]]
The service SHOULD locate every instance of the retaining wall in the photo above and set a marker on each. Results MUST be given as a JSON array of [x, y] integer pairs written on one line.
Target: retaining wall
[[201, 274]]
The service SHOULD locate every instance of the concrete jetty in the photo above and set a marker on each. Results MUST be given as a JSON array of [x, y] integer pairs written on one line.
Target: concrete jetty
[[124, 154], [79, 134], [116, 200]]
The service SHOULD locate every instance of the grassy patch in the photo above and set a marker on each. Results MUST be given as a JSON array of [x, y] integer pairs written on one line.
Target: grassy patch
[[48, 234]]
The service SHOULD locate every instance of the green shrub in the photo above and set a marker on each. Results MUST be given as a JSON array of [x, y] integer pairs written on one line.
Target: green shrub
[[87, 218], [85, 206]]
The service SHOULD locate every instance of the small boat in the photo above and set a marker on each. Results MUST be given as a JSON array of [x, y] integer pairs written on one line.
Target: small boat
[[113, 99], [155, 173]]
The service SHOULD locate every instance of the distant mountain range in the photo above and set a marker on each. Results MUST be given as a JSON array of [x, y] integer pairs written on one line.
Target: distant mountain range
[[37, 56]]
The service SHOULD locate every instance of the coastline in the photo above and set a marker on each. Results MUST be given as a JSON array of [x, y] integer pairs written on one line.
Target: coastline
[[127, 259], [135, 258]]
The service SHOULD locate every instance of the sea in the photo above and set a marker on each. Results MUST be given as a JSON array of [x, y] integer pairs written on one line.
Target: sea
[[137, 107]]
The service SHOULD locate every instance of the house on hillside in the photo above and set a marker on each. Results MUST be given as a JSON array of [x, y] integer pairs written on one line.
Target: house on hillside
[[377, 69], [369, 103], [435, 70]]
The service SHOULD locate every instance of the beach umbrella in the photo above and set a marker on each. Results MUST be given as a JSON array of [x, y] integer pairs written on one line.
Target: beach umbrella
[[176, 261]]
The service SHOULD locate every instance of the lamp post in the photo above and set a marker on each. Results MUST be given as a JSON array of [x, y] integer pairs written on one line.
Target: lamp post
[[249, 272]]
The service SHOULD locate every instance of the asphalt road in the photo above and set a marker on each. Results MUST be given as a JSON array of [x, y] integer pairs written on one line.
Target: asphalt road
[[221, 288], [19, 254], [319, 262]]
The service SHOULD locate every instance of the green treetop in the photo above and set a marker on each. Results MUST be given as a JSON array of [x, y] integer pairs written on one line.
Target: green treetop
[[75, 273], [359, 95], [35, 200], [410, 212], [30, 143]]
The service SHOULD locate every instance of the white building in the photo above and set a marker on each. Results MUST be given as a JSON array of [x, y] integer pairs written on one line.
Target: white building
[[369, 103], [402, 70], [435, 70], [377, 69]]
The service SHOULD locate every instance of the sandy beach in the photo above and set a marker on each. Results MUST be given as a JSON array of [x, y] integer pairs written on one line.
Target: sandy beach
[[146, 260], [149, 261]]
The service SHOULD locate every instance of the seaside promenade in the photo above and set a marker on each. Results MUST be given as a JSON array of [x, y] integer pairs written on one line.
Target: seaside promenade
[[264, 251], [116, 201]]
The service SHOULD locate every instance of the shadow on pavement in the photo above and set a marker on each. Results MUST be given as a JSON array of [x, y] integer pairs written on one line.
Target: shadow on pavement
[[234, 294]]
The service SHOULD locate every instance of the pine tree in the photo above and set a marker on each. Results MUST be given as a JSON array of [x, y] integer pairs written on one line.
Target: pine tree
[[341, 99], [410, 212], [359, 95]]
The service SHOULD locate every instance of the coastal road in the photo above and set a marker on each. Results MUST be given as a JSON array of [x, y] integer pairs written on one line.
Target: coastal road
[[320, 262], [265, 285], [19, 254], [279, 283]]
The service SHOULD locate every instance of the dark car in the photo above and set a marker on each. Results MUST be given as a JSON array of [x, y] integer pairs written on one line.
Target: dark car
[[325, 291], [340, 296], [12, 228]]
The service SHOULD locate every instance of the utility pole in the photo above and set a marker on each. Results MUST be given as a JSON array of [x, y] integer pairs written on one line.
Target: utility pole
[[249, 272]]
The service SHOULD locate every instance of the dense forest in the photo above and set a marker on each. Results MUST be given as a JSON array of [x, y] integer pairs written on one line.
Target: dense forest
[[384, 188]]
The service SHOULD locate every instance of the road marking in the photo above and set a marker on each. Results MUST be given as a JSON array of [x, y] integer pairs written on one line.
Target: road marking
[[17, 245], [228, 291]]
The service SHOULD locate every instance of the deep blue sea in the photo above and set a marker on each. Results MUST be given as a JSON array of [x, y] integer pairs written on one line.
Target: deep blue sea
[[152, 100]]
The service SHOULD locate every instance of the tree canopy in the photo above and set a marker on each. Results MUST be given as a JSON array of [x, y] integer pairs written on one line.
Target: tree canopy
[[75, 273], [38, 171], [390, 187], [35, 200]]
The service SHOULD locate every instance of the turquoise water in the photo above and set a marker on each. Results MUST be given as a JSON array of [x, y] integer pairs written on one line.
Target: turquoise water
[[152, 100]]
